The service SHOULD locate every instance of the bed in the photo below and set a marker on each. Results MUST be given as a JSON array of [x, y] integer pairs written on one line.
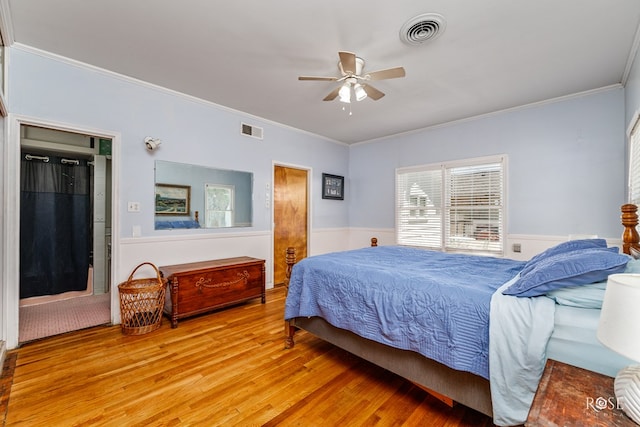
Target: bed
[[437, 343], [174, 224]]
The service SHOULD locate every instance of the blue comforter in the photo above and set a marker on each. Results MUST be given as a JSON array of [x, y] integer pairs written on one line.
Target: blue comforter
[[434, 303]]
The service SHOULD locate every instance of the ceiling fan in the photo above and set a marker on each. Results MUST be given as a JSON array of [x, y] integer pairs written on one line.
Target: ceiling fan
[[355, 82]]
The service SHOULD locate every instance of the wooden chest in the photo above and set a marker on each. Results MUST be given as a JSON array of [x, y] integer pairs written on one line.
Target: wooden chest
[[199, 287]]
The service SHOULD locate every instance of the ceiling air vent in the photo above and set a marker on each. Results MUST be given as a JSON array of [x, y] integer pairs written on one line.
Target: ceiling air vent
[[252, 131], [422, 28]]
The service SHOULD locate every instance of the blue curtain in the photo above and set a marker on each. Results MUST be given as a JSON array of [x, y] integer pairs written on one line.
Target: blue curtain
[[55, 226]]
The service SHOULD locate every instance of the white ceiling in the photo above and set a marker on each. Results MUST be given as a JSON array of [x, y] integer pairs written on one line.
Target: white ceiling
[[247, 54]]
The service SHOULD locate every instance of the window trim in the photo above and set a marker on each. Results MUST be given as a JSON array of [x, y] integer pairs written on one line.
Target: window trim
[[442, 166]]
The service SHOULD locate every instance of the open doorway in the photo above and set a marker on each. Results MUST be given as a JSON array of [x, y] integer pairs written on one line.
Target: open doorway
[[65, 232]]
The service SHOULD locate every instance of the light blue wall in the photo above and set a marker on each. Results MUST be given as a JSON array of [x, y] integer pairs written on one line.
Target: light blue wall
[[566, 159], [192, 132], [565, 165]]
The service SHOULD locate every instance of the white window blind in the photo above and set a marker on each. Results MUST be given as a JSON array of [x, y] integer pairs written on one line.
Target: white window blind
[[419, 207], [452, 207], [634, 162]]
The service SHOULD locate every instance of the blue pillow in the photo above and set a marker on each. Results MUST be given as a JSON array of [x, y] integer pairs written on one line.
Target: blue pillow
[[578, 267], [569, 246], [591, 295]]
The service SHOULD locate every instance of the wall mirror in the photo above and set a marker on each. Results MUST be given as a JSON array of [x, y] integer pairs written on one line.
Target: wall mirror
[[191, 196]]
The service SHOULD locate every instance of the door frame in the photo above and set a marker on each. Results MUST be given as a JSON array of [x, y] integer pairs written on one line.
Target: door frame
[[309, 171], [11, 244]]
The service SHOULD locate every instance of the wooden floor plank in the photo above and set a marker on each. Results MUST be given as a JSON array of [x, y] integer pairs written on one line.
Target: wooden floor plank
[[224, 368]]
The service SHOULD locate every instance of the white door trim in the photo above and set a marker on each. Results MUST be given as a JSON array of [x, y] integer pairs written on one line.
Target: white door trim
[[11, 244]]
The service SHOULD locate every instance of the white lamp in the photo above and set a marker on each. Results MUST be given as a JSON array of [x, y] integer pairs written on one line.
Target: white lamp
[[619, 329]]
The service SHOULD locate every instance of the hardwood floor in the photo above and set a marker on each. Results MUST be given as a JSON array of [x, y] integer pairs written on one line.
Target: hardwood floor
[[224, 368]]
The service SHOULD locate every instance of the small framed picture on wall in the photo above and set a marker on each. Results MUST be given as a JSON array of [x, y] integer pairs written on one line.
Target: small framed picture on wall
[[173, 199], [332, 186]]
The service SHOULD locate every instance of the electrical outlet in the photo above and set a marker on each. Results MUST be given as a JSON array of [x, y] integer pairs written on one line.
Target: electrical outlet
[[517, 248], [133, 207]]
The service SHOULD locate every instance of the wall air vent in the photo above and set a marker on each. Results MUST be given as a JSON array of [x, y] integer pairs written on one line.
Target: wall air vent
[[252, 131], [422, 28]]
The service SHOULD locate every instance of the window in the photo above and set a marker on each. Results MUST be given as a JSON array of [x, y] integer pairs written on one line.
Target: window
[[456, 206], [219, 203], [634, 161]]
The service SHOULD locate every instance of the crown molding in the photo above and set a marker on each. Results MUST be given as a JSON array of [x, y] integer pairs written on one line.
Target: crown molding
[[499, 112], [132, 80]]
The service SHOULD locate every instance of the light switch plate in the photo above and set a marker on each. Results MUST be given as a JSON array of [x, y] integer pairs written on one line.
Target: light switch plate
[[133, 206]]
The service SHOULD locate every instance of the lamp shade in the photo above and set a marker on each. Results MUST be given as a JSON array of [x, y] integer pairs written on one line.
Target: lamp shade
[[345, 93], [619, 327], [359, 92]]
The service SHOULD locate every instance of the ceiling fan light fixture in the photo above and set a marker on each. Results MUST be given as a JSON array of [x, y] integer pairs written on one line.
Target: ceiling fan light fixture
[[351, 67], [345, 93], [359, 92]]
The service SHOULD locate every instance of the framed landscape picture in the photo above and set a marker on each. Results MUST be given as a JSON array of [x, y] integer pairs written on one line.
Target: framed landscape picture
[[332, 186], [172, 199]]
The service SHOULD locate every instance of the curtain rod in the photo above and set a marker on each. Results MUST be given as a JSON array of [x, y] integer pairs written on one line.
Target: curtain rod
[[46, 159], [32, 157]]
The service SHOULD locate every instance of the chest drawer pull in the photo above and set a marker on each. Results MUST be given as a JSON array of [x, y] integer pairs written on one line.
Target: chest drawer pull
[[206, 283]]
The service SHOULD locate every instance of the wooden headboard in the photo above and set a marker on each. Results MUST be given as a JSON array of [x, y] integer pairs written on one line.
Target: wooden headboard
[[630, 238]]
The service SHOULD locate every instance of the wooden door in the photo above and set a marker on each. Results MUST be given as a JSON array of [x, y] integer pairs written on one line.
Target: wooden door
[[290, 212]]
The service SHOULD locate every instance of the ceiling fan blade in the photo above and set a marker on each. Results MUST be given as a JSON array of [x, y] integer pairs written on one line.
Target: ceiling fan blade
[[327, 79], [389, 73], [332, 95], [372, 92], [348, 61]]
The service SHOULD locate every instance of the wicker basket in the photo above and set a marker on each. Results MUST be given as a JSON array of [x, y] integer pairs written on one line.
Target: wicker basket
[[141, 303]]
